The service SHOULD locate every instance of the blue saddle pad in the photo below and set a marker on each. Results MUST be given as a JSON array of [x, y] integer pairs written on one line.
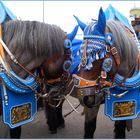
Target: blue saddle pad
[[18, 109], [125, 107]]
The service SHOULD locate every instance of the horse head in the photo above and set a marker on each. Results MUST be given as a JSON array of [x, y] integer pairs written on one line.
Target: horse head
[[43, 50], [107, 49], [56, 69]]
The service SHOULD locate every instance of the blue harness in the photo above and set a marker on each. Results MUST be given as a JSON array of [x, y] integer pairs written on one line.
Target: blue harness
[[18, 98], [18, 95], [122, 102]]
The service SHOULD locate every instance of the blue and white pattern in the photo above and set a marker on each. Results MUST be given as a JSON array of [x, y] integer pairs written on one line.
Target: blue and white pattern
[[75, 57], [94, 36], [95, 50], [107, 64]]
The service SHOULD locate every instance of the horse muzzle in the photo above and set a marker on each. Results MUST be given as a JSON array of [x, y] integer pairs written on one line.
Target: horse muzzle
[[89, 98]]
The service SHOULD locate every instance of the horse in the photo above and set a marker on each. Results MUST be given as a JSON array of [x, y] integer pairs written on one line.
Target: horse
[[60, 93], [108, 50], [30, 49]]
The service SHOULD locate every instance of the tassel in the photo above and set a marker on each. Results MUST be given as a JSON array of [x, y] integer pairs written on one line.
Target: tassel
[[97, 57], [102, 55], [94, 57]]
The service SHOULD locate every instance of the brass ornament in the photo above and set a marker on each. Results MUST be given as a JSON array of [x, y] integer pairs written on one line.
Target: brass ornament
[[122, 109], [20, 113], [84, 61]]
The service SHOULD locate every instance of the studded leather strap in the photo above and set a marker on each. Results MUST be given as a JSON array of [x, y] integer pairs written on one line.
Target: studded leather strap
[[82, 83]]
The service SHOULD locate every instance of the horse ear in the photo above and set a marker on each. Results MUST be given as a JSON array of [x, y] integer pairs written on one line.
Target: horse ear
[[80, 23], [101, 24], [73, 33]]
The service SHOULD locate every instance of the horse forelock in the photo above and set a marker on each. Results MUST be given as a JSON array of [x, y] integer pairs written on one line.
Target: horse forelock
[[124, 43], [32, 43], [39, 38]]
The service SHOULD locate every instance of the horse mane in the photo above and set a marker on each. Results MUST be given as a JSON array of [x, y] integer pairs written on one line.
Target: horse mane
[[124, 43], [33, 36]]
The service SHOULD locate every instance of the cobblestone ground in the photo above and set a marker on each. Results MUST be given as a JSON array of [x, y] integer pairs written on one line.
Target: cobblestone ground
[[74, 126]]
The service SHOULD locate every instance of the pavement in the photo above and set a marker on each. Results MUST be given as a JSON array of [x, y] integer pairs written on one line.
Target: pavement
[[74, 126]]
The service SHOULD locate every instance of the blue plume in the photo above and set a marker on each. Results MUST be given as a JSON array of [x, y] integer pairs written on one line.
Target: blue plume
[[80, 23], [73, 33]]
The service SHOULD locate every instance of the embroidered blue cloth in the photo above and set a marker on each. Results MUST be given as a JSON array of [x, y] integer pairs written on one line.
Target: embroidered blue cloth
[[112, 13], [76, 59], [94, 36]]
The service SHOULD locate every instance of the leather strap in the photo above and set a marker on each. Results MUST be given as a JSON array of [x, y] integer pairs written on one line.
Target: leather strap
[[84, 57], [82, 83], [116, 56], [52, 81]]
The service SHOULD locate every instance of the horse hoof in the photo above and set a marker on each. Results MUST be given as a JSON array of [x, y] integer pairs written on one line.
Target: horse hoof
[[61, 126], [54, 131]]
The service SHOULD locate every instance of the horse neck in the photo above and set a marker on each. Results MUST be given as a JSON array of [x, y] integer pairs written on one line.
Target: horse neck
[[124, 69], [129, 62], [125, 45]]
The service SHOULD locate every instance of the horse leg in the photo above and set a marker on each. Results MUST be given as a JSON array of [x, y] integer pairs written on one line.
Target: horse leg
[[15, 133], [61, 121], [90, 128], [51, 117], [90, 121], [40, 103], [119, 130]]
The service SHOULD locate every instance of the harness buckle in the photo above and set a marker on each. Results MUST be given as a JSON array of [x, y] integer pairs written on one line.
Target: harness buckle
[[114, 51], [103, 74], [116, 55], [84, 61], [102, 78]]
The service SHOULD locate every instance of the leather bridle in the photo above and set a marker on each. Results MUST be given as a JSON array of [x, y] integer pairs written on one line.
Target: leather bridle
[[101, 80]]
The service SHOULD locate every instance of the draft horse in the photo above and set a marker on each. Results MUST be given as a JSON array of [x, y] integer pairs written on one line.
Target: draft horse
[[29, 49], [108, 50]]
